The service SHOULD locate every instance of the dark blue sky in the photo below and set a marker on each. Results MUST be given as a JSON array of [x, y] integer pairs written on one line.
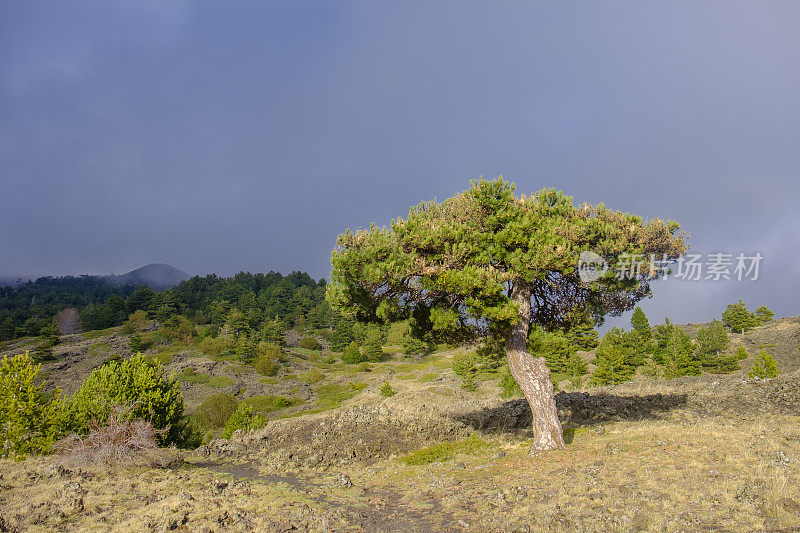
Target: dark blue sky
[[220, 137]]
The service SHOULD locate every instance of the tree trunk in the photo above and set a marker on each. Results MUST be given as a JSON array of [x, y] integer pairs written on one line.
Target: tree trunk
[[533, 376]]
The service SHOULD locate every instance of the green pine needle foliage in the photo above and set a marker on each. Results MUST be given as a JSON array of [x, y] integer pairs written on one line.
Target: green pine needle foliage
[[640, 323], [739, 318], [31, 420], [244, 418], [352, 354], [387, 390], [448, 265], [137, 387], [764, 366]]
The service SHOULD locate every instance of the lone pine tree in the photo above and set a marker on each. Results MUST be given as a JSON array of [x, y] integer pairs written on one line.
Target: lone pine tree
[[640, 323], [489, 262], [739, 318]]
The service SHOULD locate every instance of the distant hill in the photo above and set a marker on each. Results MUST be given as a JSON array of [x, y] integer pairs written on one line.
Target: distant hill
[[158, 276]]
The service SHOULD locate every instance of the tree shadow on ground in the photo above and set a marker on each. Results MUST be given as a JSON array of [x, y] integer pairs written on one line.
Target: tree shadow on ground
[[575, 409]]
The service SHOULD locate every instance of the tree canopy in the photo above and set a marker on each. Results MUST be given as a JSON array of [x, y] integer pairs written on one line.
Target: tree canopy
[[450, 265]]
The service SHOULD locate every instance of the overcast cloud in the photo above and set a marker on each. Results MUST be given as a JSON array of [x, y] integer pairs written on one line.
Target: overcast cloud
[[220, 137]]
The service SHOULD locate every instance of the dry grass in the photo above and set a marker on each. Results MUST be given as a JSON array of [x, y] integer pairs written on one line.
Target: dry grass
[[682, 472], [118, 442]]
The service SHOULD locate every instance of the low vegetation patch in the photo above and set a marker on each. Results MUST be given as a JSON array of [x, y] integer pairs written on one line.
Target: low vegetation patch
[[97, 333], [214, 347], [445, 451], [221, 382], [245, 418], [99, 348], [309, 343], [312, 376], [267, 403], [215, 410], [268, 355], [190, 375], [332, 395]]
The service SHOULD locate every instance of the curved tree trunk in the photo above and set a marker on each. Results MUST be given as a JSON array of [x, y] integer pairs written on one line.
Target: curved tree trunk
[[533, 376]]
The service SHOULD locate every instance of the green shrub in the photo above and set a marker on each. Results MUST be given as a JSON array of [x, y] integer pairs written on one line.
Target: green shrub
[[309, 343], [413, 346], [726, 363], [560, 354], [214, 347], [445, 451], [387, 390], [712, 340], [373, 350], [738, 317], [272, 331], [483, 362], [164, 355], [49, 337], [741, 353], [44, 352], [244, 418], [267, 403], [633, 346], [468, 383], [397, 332], [651, 369], [139, 387], [611, 367], [215, 410], [136, 323], [138, 343], [676, 352], [179, 328], [31, 420], [342, 334], [267, 357], [492, 353], [640, 323], [246, 348], [764, 366], [352, 354], [510, 387], [465, 363], [764, 314]]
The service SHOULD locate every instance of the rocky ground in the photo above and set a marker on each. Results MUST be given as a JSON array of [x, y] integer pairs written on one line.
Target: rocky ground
[[700, 453]]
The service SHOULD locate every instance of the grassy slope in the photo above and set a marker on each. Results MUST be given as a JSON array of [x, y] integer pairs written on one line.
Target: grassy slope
[[727, 456]]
